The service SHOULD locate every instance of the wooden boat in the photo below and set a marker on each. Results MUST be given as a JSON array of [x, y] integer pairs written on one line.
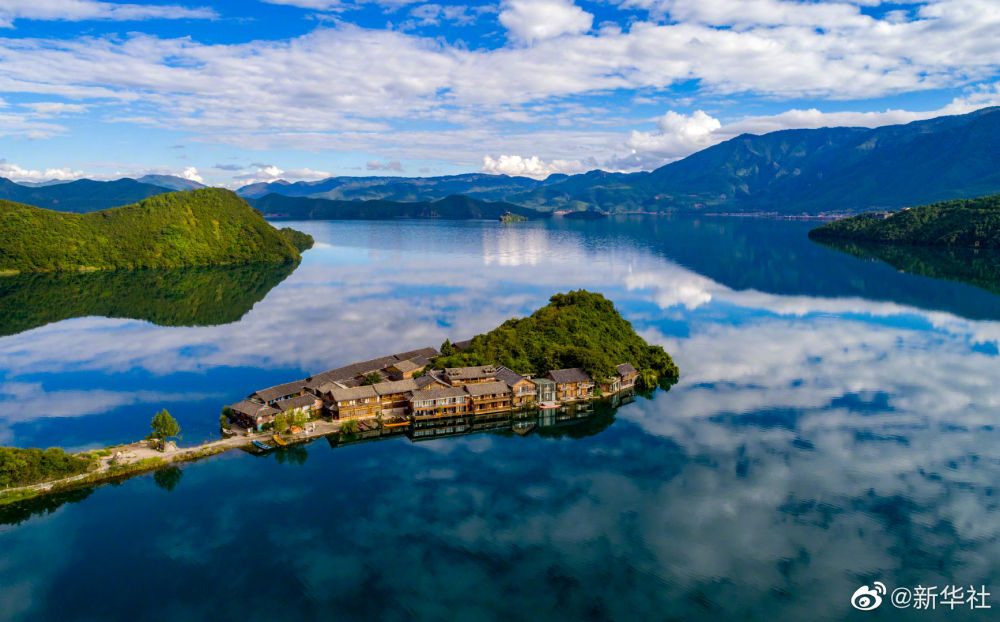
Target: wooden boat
[[279, 440], [262, 446]]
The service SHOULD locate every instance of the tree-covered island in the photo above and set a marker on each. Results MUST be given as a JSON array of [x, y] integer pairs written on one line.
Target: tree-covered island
[[969, 223], [579, 329], [207, 227]]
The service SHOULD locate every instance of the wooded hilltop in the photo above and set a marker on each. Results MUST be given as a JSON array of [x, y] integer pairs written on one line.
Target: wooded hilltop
[[969, 223], [210, 226], [577, 329]]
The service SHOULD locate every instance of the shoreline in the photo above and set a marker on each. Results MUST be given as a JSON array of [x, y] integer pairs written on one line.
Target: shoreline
[[137, 458]]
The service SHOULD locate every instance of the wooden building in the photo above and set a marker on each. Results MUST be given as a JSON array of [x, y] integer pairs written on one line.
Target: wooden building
[[449, 401], [278, 393], [628, 374], [523, 390], [306, 403], [252, 415], [351, 402], [572, 384], [488, 397], [431, 380], [405, 369], [394, 396], [460, 376]]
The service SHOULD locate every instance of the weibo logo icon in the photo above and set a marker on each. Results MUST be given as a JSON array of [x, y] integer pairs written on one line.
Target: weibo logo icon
[[867, 599]]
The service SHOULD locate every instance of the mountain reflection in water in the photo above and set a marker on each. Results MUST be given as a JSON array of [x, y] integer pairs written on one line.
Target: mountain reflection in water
[[198, 296]]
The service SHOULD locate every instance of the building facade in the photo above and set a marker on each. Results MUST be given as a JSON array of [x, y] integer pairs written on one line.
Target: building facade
[[572, 384]]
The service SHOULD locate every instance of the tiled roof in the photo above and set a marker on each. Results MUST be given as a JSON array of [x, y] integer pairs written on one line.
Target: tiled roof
[[471, 373], [339, 394], [253, 409], [405, 366], [412, 354], [350, 371], [296, 402], [429, 379], [541, 381], [487, 388], [395, 386], [282, 390], [366, 367], [437, 394], [626, 368], [508, 376], [573, 374]]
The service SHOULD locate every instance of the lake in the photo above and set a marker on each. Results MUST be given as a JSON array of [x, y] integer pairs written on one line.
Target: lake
[[835, 425]]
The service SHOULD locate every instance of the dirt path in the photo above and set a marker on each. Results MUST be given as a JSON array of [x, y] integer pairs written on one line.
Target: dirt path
[[127, 455]]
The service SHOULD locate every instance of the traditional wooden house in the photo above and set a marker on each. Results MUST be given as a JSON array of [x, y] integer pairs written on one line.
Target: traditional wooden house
[[439, 402], [488, 397], [523, 390], [459, 376], [545, 390], [351, 402], [405, 369], [628, 374], [395, 396], [431, 380], [381, 364], [252, 415], [572, 384], [306, 403], [280, 392]]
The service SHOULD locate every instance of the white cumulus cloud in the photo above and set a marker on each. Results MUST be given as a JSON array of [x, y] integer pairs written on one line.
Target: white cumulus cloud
[[270, 172], [80, 10], [191, 173], [534, 20], [519, 166], [17, 173]]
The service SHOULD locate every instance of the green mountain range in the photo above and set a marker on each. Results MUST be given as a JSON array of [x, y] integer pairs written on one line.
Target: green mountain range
[[211, 226], [808, 171], [454, 207], [841, 169], [963, 223], [82, 195], [405, 189]]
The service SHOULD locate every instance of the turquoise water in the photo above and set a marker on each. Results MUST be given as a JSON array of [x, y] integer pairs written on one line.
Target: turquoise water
[[835, 425]]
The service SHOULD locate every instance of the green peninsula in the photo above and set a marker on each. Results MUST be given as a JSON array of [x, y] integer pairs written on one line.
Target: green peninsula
[[206, 227], [968, 223], [577, 329]]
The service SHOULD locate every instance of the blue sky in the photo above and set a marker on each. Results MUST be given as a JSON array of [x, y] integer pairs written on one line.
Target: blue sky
[[250, 90]]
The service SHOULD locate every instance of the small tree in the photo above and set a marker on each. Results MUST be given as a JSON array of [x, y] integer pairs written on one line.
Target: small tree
[[224, 422], [299, 419], [447, 349], [373, 378], [647, 380], [349, 427], [280, 423], [164, 427]]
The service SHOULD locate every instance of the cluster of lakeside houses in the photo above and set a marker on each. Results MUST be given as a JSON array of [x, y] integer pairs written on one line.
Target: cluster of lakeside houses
[[407, 391]]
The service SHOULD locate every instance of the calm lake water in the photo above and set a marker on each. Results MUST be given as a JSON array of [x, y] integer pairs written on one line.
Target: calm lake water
[[835, 425]]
